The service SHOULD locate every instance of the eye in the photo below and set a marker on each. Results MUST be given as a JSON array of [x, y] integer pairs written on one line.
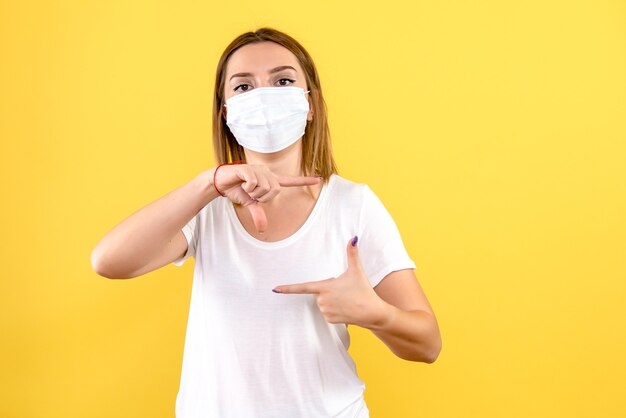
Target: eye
[[240, 85], [286, 79]]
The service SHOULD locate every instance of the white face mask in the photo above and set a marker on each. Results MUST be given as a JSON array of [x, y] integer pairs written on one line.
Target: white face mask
[[268, 119]]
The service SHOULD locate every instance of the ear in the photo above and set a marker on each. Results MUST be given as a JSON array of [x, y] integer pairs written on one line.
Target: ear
[[309, 116], [224, 110]]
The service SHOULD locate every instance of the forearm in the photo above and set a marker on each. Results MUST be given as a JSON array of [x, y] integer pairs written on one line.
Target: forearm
[[411, 335], [133, 242]]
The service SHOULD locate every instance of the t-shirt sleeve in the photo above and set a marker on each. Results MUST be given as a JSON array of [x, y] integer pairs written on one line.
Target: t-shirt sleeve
[[381, 249], [190, 230]]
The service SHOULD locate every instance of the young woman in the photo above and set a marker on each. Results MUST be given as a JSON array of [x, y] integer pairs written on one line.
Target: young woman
[[287, 252]]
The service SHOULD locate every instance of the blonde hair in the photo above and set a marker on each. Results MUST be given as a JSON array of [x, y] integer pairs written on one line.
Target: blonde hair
[[317, 158]]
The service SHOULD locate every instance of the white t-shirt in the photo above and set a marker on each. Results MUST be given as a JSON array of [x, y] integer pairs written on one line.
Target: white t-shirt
[[250, 352]]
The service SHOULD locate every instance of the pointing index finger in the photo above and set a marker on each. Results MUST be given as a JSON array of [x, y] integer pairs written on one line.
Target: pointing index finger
[[309, 287], [290, 181]]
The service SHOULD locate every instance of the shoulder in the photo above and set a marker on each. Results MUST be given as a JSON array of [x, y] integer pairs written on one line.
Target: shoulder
[[348, 189], [352, 193], [351, 199]]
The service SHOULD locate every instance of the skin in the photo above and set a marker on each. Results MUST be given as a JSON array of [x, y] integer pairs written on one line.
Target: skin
[[396, 310]]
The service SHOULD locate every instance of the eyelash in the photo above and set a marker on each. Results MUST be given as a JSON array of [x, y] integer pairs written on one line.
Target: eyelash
[[288, 79]]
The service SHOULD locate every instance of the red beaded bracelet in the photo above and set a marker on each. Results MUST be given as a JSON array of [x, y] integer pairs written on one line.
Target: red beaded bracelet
[[215, 173]]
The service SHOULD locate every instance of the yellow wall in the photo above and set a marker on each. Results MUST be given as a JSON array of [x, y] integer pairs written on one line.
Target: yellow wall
[[493, 131]]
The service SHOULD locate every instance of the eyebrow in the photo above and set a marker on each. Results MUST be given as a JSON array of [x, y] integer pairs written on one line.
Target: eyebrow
[[274, 70]]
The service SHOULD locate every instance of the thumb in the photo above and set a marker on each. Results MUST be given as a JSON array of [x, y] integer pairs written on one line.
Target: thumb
[[238, 195], [258, 217], [353, 254]]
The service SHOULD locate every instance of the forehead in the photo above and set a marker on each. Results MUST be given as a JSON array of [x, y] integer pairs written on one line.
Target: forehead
[[260, 58]]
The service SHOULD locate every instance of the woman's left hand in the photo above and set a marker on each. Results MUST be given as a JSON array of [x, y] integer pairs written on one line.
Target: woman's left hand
[[348, 298]]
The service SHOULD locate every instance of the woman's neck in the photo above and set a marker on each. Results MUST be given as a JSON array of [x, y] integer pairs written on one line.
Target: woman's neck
[[285, 162]]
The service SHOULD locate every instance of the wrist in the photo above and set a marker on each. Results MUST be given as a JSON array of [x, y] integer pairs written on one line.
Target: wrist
[[204, 182], [385, 317]]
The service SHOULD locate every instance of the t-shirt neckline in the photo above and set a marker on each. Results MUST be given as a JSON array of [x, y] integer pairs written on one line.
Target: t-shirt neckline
[[285, 241]]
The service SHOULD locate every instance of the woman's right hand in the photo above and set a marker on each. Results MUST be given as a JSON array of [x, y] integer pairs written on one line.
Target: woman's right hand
[[243, 183]]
